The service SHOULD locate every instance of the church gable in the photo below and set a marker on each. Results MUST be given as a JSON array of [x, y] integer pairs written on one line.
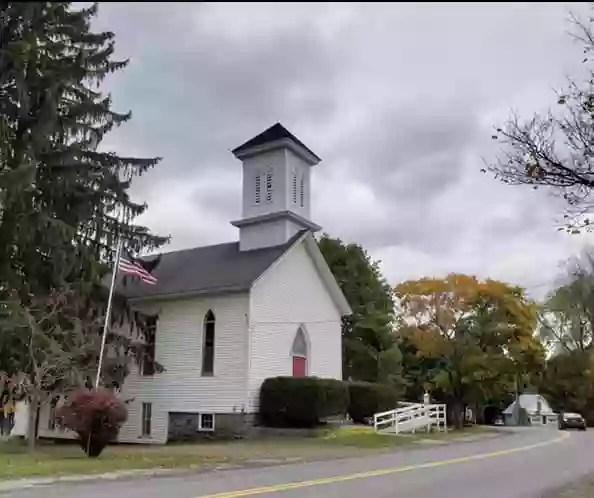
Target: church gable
[[301, 275]]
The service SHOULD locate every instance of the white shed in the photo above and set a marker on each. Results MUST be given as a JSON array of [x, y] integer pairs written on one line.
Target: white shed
[[537, 408]]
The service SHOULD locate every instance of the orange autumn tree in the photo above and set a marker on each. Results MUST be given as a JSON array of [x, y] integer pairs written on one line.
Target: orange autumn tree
[[481, 333]]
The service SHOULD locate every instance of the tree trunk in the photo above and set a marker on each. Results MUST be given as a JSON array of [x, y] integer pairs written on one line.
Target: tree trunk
[[516, 406], [33, 405], [458, 414], [479, 414]]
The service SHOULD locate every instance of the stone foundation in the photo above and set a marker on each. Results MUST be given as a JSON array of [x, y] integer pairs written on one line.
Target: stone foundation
[[184, 426]]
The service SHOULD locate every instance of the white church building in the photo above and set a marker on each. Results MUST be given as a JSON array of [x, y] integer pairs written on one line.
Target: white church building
[[232, 315]]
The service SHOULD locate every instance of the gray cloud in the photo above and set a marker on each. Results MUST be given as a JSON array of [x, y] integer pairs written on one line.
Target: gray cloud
[[398, 99], [213, 93]]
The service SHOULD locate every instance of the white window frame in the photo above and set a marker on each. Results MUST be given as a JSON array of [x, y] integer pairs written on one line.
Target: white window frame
[[302, 192], [209, 319], [201, 428], [143, 413]]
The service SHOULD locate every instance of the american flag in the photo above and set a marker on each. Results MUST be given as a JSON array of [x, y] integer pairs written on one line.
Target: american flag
[[133, 267]]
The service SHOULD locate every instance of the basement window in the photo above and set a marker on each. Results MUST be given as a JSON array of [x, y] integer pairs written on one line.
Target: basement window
[[206, 422]]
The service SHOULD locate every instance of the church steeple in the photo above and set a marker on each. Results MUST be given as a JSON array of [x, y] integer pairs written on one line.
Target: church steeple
[[276, 188]]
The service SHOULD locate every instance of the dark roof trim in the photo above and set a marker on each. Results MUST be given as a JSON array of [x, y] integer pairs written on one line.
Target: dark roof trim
[[277, 136], [310, 225], [190, 294]]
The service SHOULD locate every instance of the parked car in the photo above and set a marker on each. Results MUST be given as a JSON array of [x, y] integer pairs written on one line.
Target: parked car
[[569, 420]]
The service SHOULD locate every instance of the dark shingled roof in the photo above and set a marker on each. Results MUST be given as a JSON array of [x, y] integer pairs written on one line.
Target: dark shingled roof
[[272, 134], [208, 269]]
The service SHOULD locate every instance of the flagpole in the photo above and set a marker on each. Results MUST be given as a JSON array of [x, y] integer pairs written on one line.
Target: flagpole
[[108, 312]]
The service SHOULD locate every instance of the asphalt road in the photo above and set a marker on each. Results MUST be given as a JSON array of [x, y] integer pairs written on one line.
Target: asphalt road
[[523, 465]]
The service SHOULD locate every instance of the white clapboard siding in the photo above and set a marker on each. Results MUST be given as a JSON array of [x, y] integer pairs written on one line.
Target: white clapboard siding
[[291, 293], [181, 387]]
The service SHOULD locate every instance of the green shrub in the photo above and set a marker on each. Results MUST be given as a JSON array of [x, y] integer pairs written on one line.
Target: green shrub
[[368, 398], [301, 401], [335, 398]]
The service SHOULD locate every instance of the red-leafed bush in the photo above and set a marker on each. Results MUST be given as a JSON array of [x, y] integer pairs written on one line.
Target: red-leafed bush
[[95, 415]]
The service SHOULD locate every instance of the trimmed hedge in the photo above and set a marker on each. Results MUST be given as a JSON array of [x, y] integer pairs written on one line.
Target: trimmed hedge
[[301, 401], [368, 398]]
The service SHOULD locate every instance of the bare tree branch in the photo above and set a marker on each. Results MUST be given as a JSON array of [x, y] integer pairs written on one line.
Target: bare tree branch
[[556, 149]]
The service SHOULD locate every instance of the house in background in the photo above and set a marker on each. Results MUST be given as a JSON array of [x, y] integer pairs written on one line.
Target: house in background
[[231, 315], [537, 408]]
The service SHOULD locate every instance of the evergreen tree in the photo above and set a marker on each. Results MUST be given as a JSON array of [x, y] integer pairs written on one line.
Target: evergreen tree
[[63, 201]]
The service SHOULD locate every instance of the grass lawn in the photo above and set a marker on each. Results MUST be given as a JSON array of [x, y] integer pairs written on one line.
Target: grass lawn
[[365, 438], [65, 459]]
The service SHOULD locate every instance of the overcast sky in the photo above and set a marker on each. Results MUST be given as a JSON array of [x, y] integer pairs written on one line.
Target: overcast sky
[[398, 99]]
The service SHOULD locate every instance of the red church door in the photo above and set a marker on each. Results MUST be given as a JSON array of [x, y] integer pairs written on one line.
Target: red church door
[[299, 366]]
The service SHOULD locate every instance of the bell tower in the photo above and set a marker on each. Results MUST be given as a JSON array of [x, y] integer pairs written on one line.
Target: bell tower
[[276, 188]]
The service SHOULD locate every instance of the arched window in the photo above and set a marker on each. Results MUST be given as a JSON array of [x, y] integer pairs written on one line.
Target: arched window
[[208, 344], [299, 354]]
